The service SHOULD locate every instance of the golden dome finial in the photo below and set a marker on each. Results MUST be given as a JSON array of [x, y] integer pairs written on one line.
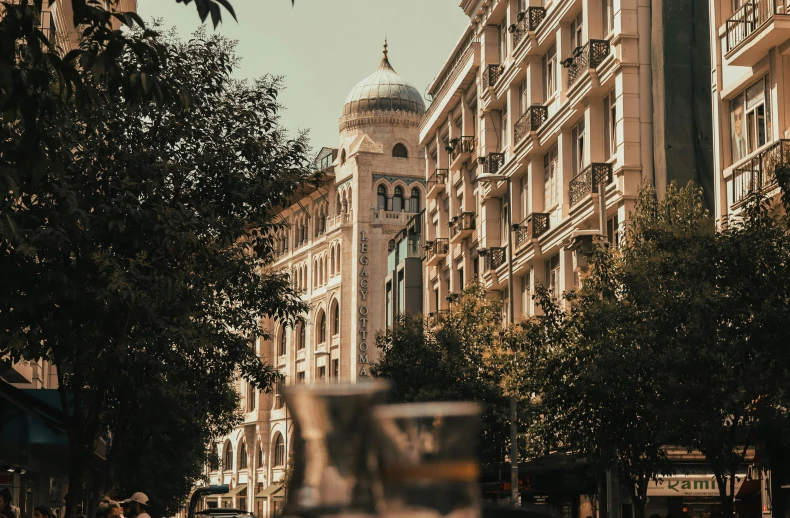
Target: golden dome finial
[[385, 47]]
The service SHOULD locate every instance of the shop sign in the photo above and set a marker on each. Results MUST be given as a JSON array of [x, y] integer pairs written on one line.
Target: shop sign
[[703, 485]]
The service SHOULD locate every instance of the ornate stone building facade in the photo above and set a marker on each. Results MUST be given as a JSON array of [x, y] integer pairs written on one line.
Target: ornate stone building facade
[[335, 246]]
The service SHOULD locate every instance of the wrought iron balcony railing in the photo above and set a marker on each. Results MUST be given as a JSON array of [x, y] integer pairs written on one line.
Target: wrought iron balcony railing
[[531, 120], [465, 223], [586, 182], [533, 226], [493, 162], [759, 172], [749, 18], [492, 74], [528, 21], [438, 249], [463, 145], [437, 180], [583, 58], [495, 257]]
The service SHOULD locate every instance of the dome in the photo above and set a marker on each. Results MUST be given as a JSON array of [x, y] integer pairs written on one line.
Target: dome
[[384, 90]]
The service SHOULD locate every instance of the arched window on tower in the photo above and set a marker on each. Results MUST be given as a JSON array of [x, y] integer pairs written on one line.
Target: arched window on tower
[[339, 207], [243, 460], [283, 345], [343, 157], [397, 199], [400, 151], [414, 201], [335, 318], [331, 260], [227, 460], [381, 198], [260, 456], [300, 341], [321, 328]]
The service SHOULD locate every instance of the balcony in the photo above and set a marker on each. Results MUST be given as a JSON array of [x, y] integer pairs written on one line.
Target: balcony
[[585, 58], [492, 74], [493, 163], [534, 226], [527, 21], [436, 318], [462, 227], [531, 121], [463, 148], [754, 29], [437, 250], [437, 182], [586, 182], [495, 257], [758, 173]]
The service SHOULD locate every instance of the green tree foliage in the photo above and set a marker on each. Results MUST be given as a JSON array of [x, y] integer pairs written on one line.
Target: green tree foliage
[[449, 360], [142, 267]]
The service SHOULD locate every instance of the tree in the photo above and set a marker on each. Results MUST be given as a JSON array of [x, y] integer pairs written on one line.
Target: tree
[[145, 262], [450, 362]]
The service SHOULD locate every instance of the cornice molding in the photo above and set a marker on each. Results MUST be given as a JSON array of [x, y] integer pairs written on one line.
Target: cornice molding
[[401, 118]]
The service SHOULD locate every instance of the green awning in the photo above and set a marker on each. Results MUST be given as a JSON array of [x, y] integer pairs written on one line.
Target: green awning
[[270, 491]]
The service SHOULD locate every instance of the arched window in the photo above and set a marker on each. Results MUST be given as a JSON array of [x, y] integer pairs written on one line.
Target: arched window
[[381, 198], [279, 451], [331, 260], [335, 319], [414, 201], [321, 327], [391, 245], [283, 345], [243, 460], [260, 456], [326, 269], [397, 199], [227, 461], [339, 207], [300, 342], [343, 157], [400, 151]]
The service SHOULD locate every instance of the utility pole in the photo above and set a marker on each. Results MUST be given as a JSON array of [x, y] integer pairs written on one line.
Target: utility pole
[[514, 496]]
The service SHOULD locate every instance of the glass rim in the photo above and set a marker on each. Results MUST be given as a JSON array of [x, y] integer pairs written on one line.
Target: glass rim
[[428, 409]]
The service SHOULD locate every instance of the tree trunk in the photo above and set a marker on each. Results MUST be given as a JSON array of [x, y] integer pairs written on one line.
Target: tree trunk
[[726, 500]]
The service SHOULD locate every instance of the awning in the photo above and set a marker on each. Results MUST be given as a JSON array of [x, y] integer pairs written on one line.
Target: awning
[[270, 491], [235, 491]]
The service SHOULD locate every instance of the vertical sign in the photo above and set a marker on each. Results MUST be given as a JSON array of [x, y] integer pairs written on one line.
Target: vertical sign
[[362, 310]]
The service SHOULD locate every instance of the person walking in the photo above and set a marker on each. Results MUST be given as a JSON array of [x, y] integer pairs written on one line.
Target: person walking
[[138, 506], [6, 511], [42, 511], [108, 508]]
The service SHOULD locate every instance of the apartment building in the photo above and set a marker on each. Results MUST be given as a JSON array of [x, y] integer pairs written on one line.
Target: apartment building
[[750, 76], [337, 245], [544, 122]]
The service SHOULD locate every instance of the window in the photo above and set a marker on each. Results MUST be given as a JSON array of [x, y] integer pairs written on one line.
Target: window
[[343, 157], [551, 195], [414, 200], [522, 97], [335, 369], [321, 374], [553, 275], [339, 206], [577, 30], [461, 278], [335, 319], [750, 120], [260, 458], [502, 41], [300, 377], [279, 451], [381, 198], [243, 460], [401, 293], [283, 344], [321, 327], [504, 141], [526, 295], [504, 229], [613, 231], [397, 199], [607, 17], [251, 397], [577, 134], [610, 124], [388, 304], [523, 191], [227, 463], [300, 340], [400, 151], [549, 65]]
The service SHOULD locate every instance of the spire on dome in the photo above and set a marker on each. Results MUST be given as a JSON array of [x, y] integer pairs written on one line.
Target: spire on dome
[[385, 63]]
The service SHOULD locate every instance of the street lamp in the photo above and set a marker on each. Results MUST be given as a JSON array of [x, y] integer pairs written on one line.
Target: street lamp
[[513, 427]]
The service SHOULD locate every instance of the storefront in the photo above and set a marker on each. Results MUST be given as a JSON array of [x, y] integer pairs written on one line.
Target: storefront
[[697, 496]]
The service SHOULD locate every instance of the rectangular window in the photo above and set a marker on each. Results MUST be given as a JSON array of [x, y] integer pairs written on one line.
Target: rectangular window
[[503, 41], [750, 120], [475, 268], [461, 278], [505, 296], [607, 17], [613, 231], [577, 134], [401, 293], [526, 296], [524, 195], [503, 140], [504, 231], [610, 124], [553, 275], [551, 194], [577, 30], [388, 309], [335, 369], [300, 377], [549, 66], [522, 97], [321, 375]]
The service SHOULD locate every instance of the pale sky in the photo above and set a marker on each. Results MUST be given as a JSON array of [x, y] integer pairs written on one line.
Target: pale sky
[[325, 47]]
